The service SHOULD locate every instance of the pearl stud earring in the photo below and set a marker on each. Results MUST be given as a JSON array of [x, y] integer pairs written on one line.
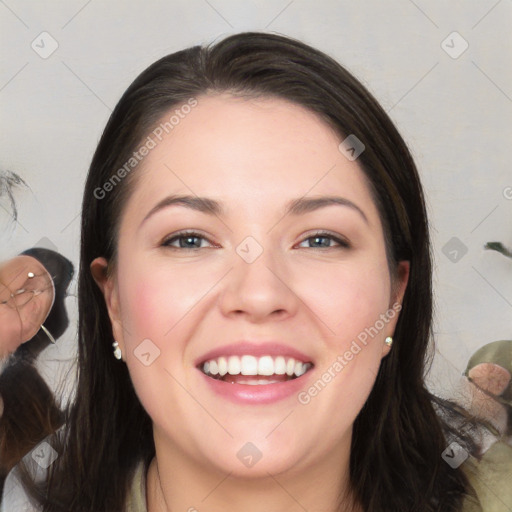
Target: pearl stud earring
[[117, 350]]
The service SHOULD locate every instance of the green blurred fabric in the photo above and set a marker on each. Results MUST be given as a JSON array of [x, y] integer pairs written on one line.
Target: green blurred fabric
[[136, 499], [491, 478]]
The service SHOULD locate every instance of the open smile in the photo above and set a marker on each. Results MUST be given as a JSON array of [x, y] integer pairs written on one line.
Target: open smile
[[252, 370], [255, 374]]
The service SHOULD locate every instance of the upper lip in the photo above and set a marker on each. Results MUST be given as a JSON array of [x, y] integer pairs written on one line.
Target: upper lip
[[243, 348]]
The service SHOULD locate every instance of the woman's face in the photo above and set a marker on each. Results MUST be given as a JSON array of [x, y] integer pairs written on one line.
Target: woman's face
[[272, 261]]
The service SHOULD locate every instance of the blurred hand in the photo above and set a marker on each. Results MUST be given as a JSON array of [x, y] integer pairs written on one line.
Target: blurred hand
[[26, 297], [490, 377]]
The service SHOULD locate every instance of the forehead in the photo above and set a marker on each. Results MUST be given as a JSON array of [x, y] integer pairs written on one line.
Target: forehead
[[237, 149]]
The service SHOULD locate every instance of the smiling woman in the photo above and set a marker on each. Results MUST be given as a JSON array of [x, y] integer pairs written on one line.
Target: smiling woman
[[249, 251]]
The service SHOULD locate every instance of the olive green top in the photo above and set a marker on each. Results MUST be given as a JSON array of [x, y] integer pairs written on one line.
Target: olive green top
[[136, 499], [491, 478]]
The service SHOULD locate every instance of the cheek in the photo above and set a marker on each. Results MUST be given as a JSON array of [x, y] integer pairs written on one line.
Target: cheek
[[153, 303], [349, 302], [142, 309], [149, 306], [161, 309], [149, 309], [347, 299], [351, 357]]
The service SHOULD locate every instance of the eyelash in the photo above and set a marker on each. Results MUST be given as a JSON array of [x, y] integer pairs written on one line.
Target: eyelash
[[342, 243], [182, 235]]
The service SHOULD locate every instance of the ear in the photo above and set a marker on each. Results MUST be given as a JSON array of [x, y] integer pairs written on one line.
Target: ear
[[400, 282], [108, 286], [398, 288]]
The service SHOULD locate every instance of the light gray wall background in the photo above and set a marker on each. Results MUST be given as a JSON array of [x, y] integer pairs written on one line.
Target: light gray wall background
[[452, 104]]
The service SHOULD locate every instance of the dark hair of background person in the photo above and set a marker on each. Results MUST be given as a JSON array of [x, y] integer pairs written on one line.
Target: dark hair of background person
[[30, 414], [8, 181], [30, 410], [399, 435]]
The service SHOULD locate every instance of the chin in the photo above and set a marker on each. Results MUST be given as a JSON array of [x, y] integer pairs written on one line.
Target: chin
[[249, 462]]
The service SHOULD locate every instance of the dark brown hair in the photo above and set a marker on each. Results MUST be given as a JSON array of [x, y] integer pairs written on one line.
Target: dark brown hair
[[398, 436], [30, 413]]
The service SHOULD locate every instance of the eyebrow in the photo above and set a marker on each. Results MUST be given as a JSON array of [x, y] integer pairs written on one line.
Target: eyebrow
[[200, 204], [212, 207], [303, 205]]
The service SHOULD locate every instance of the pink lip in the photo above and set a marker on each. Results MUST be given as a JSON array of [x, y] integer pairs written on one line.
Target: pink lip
[[260, 394], [242, 348], [257, 395]]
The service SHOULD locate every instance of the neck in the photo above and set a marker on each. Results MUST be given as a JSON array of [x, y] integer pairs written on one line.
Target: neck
[[176, 483]]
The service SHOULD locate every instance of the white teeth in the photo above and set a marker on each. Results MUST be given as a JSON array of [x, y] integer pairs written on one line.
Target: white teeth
[[234, 365], [214, 367], [299, 369], [259, 382], [251, 366], [279, 365], [266, 366], [223, 366]]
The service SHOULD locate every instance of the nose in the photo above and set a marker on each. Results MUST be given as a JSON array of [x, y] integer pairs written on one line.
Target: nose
[[260, 290]]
